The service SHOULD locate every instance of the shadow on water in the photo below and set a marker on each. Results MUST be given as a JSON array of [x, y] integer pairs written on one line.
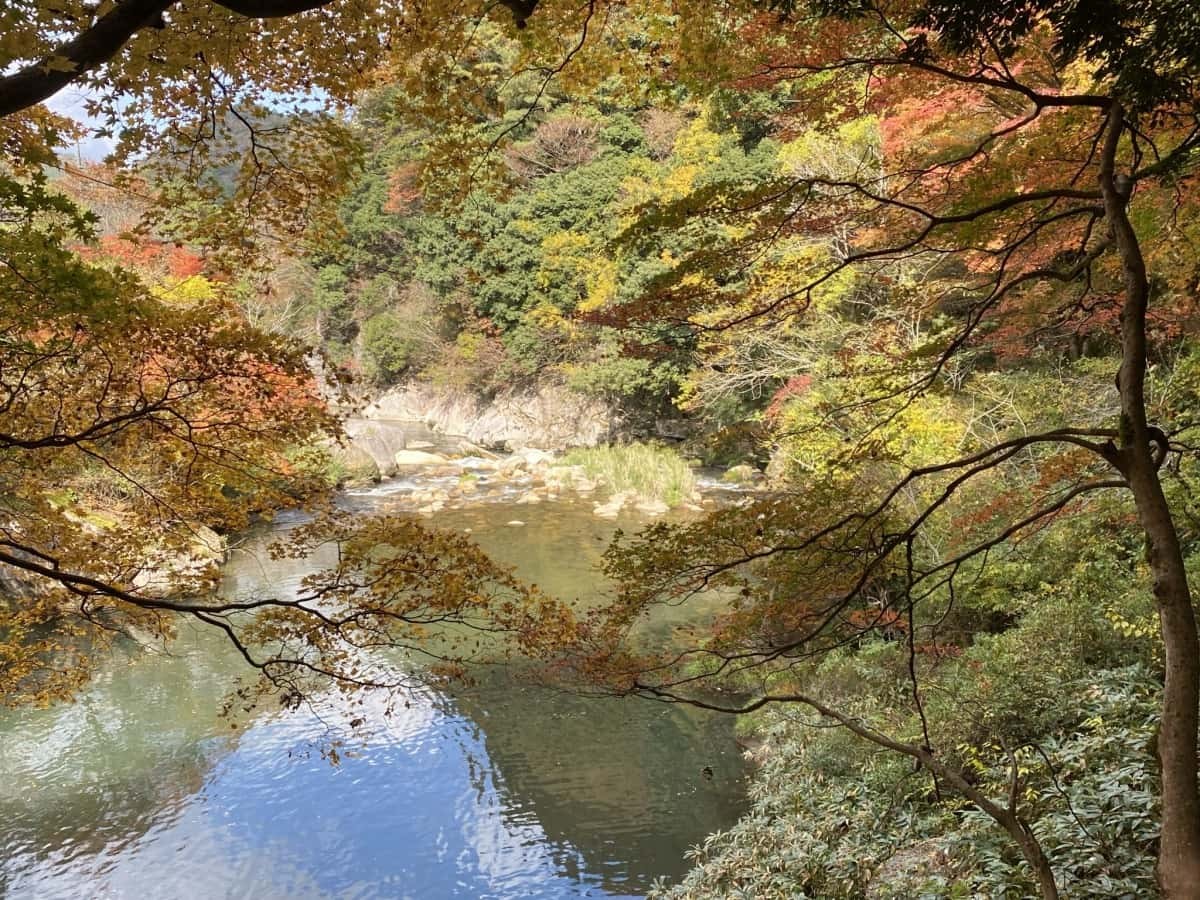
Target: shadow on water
[[501, 790]]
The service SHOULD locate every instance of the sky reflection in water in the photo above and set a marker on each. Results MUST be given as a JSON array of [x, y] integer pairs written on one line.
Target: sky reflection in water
[[141, 790]]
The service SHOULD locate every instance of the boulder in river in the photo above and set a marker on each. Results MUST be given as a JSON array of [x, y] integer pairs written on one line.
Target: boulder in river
[[617, 502], [609, 510], [652, 507], [511, 465], [380, 440], [534, 457], [419, 458], [743, 475], [470, 449], [353, 466], [481, 463]]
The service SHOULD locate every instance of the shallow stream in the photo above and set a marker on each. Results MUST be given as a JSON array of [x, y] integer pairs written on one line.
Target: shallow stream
[[141, 790]]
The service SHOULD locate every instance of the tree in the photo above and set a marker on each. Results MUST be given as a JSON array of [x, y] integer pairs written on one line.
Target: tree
[[139, 410], [1028, 149], [139, 43], [136, 420]]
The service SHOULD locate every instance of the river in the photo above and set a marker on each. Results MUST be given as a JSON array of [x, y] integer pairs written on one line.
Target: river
[[505, 790]]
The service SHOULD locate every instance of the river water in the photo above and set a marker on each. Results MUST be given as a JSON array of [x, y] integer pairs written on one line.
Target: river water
[[505, 790]]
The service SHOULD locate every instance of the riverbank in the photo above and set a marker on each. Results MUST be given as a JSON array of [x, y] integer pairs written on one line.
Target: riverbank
[[425, 472], [498, 788]]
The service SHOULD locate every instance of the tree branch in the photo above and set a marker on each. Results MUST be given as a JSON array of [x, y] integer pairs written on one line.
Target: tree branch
[[270, 9], [94, 47], [71, 60], [1007, 818]]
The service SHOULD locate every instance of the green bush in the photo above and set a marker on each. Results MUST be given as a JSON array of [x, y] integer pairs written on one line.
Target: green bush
[[1068, 685], [834, 817], [654, 472], [388, 351], [1096, 817]]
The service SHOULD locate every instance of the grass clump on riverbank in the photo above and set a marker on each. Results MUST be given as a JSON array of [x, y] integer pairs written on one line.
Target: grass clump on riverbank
[[654, 472]]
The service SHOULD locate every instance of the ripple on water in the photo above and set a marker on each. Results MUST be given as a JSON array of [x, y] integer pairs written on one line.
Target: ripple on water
[[141, 790]]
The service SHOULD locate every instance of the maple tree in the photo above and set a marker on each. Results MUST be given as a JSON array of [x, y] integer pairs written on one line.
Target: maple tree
[[142, 416], [1027, 151], [135, 421], [977, 183]]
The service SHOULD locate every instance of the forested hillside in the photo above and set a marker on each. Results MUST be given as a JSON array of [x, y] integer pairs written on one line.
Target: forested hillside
[[932, 267], [750, 254], [545, 268]]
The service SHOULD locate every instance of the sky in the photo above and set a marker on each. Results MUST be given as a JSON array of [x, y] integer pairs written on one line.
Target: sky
[[70, 101]]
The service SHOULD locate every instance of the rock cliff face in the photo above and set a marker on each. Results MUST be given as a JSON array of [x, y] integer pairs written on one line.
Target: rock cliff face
[[547, 417], [372, 441]]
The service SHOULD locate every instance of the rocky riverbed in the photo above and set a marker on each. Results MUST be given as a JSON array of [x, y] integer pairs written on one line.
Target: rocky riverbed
[[427, 481], [425, 472]]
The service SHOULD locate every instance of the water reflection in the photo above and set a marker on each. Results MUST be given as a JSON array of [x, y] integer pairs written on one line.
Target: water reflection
[[611, 780], [505, 790]]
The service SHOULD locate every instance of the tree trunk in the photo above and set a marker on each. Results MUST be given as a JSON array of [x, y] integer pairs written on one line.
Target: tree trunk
[[1032, 851], [1138, 458], [1006, 817]]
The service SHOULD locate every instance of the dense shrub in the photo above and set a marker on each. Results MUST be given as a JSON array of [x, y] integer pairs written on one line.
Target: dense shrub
[[387, 350], [833, 817], [654, 472]]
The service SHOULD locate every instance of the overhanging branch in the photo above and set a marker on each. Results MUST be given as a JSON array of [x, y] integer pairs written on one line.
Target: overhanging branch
[[99, 43], [67, 62], [270, 9]]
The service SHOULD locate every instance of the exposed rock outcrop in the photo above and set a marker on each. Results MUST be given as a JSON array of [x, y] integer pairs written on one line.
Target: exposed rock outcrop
[[18, 583], [380, 440], [163, 570], [548, 416], [407, 458]]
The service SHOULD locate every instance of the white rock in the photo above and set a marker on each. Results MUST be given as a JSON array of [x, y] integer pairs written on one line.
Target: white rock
[[512, 464], [653, 507], [548, 415], [535, 457], [606, 510], [419, 458], [479, 464], [474, 451], [516, 523]]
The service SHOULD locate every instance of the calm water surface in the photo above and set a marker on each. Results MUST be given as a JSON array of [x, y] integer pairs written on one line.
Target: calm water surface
[[141, 790]]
